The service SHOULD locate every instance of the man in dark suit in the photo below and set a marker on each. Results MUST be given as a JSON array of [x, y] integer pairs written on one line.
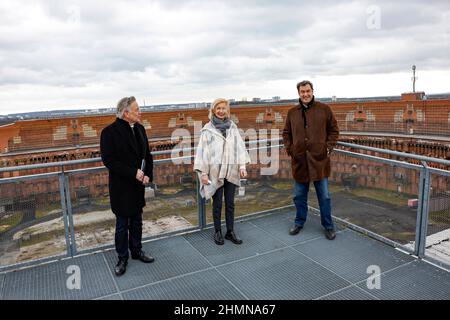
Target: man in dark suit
[[125, 152]]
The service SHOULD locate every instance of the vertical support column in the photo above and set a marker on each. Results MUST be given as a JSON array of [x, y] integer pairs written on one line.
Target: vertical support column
[[70, 217], [62, 192], [201, 206], [422, 211]]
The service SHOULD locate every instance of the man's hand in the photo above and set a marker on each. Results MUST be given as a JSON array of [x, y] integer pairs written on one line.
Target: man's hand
[[140, 175], [329, 151], [243, 173], [146, 180], [205, 179]]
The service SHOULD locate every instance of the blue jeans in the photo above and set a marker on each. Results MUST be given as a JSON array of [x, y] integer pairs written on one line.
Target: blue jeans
[[301, 202]]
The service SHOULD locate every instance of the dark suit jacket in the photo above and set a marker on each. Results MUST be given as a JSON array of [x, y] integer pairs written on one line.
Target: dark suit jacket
[[123, 157]]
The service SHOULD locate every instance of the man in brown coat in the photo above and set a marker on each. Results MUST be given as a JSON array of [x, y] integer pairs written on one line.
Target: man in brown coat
[[309, 136]]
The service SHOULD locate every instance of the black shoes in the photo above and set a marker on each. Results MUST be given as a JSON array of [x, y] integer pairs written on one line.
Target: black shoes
[[121, 267], [295, 230], [144, 257], [230, 235], [330, 234], [218, 238]]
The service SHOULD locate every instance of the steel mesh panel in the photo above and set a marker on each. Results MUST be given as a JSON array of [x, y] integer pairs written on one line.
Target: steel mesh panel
[[204, 285], [48, 282], [283, 274], [173, 256], [255, 241], [2, 281], [350, 254], [415, 280], [350, 293], [279, 228]]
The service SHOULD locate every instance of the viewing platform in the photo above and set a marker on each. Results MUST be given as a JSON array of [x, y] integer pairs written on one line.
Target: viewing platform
[[392, 217], [269, 265]]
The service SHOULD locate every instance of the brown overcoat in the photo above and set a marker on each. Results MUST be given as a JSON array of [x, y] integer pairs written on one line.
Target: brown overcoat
[[309, 144]]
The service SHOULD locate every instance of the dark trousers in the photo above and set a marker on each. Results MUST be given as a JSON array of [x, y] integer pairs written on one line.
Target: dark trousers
[[228, 189], [128, 235]]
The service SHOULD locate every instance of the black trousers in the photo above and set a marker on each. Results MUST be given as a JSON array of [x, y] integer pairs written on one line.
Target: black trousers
[[228, 189], [128, 235]]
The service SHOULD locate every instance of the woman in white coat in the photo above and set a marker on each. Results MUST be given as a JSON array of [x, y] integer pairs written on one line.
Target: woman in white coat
[[220, 163]]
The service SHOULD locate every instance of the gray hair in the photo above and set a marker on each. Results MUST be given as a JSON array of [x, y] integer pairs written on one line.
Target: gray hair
[[123, 104]]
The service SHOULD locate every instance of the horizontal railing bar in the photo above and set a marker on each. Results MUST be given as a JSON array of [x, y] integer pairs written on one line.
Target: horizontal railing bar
[[379, 159], [439, 171], [395, 153], [344, 144], [30, 177], [50, 165], [345, 152], [99, 159]]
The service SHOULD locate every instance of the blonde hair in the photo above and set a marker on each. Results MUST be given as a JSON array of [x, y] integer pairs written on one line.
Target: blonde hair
[[217, 102]]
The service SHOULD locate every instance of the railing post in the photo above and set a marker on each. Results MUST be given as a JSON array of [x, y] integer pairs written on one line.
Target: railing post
[[422, 211], [201, 206], [66, 205], [70, 217], [62, 192]]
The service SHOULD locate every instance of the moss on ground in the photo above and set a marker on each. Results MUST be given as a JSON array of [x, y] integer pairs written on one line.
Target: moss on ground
[[10, 221]]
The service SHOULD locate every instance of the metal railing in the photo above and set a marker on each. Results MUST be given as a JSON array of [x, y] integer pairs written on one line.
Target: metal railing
[[67, 198]]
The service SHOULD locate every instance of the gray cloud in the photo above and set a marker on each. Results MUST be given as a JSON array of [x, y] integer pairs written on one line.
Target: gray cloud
[[157, 47]]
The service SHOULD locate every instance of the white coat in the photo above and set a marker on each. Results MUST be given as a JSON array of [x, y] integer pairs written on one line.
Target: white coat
[[219, 157]]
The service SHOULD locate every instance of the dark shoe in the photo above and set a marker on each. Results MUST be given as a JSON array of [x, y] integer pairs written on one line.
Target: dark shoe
[[232, 237], [218, 238], [121, 267], [144, 257], [295, 230], [330, 234]]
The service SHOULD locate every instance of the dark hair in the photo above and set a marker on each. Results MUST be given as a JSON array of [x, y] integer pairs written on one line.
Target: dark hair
[[304, 83]]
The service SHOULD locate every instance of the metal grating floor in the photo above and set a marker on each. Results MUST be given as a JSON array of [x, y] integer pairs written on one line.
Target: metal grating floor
[[2, 280], [270, 264], [349, 293]]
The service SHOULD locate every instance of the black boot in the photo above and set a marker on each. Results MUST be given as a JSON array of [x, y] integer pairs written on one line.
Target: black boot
[[218, 238], [121, 266], [230, 235]]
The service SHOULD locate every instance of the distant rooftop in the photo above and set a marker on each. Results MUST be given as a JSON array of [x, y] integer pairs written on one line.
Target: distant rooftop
[[197, 105]]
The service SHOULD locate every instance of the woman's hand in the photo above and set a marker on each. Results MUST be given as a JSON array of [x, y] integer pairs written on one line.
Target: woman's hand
[[243, 173], [205, 179]]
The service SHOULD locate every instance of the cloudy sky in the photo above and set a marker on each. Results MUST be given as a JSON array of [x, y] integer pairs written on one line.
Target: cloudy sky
[[88, 54]]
